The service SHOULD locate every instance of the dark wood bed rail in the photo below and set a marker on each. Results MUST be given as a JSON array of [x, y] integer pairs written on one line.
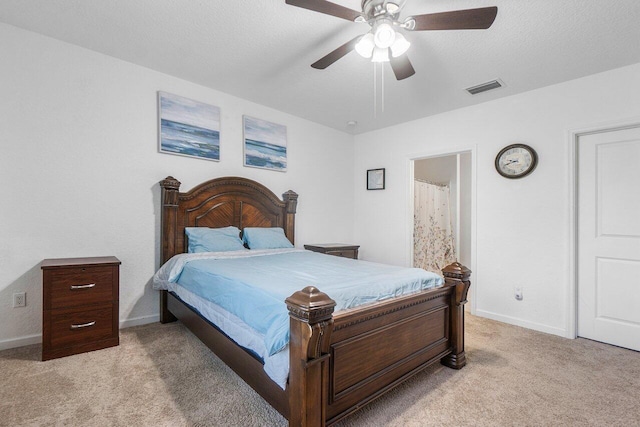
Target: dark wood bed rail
[[328, 353]]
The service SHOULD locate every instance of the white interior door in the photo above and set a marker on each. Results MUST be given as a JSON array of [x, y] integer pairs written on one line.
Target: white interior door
[[609, 237]]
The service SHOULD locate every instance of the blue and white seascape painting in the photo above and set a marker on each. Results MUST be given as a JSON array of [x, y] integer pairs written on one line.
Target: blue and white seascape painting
[[265, 144], [189, 128]]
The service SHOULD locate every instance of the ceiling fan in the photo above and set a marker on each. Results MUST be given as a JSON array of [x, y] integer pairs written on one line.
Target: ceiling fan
[[385, 41]]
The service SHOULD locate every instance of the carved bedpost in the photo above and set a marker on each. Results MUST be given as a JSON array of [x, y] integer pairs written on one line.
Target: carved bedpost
[[311, 322], [291, 200], [170, 187], [457, 275]]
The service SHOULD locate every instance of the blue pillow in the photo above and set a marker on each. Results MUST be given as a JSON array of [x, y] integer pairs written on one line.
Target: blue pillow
[[265, 238], [203, 239]]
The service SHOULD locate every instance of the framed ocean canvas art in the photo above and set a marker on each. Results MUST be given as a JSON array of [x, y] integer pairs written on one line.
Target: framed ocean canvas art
[[188, 128], [265, 144]]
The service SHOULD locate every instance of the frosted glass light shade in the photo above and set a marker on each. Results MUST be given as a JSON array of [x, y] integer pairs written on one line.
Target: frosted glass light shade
[[365, 46], [384, 36], [380, 54], [399, 46]]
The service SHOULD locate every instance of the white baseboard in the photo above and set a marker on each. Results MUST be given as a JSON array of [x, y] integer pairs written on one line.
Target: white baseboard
[[20, 341], [136, 321], [524, 323], [37, 339]]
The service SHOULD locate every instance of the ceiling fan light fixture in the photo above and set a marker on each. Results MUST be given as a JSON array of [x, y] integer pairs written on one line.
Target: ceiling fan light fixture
[[380, 54], [399, 46], [386, 29], [365, 46], [384, 35]]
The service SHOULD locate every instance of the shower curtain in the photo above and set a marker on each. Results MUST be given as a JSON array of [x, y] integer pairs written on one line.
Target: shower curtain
[[432, 233]]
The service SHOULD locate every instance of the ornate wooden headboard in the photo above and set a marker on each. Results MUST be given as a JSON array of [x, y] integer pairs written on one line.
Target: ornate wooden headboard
[[221, 202]]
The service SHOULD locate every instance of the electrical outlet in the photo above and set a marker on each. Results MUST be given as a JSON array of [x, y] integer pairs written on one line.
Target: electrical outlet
[[518, 293], [19, 299]]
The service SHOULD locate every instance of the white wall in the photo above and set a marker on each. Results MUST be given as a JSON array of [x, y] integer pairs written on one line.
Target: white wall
[[438, 170], [522, 226], [79, 168]]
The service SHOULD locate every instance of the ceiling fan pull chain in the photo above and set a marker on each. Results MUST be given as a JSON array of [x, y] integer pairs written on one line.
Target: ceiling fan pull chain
[[375, 95], [382, 86]]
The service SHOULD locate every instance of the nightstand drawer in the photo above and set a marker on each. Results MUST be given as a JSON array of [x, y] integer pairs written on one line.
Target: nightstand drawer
[[72, 287], [72, 327], [344, 254]]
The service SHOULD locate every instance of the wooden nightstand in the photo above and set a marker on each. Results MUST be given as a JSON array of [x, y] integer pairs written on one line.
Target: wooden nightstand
[[337, 249], [80, 305]]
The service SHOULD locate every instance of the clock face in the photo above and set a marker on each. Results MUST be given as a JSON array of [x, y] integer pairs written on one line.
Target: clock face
[[516, 161]]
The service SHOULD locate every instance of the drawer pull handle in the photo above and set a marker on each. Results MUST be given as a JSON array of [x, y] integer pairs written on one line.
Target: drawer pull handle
[[89, 285], [83, 325]]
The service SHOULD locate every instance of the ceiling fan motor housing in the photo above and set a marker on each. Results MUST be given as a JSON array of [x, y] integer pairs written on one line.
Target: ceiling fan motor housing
[[373, 9]]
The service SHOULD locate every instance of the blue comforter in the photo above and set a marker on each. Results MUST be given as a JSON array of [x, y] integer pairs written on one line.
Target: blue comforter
[[254, 287]]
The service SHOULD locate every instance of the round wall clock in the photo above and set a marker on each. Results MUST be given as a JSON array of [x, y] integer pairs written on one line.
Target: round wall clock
[[516, 161]]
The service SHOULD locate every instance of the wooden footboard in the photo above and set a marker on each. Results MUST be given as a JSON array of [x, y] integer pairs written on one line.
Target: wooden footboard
[[339, 363]]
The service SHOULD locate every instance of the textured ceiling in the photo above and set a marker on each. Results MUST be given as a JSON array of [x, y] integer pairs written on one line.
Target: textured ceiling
[[261, 50]]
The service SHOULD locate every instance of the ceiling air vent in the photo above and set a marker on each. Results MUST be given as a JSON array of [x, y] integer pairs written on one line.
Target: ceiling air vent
[[493, 84]]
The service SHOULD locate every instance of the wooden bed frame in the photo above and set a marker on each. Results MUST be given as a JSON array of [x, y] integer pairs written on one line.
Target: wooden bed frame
[[338, 362]]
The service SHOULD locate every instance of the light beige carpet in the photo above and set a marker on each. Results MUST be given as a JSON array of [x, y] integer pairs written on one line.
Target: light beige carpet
[[161, 375]]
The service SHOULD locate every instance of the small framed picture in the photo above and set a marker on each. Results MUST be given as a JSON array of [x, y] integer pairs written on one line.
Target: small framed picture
[[375, 179]]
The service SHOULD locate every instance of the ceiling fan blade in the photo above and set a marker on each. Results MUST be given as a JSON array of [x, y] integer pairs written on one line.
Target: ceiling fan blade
[[468, 19], [327, 8], [332, 57], [402, 67]]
